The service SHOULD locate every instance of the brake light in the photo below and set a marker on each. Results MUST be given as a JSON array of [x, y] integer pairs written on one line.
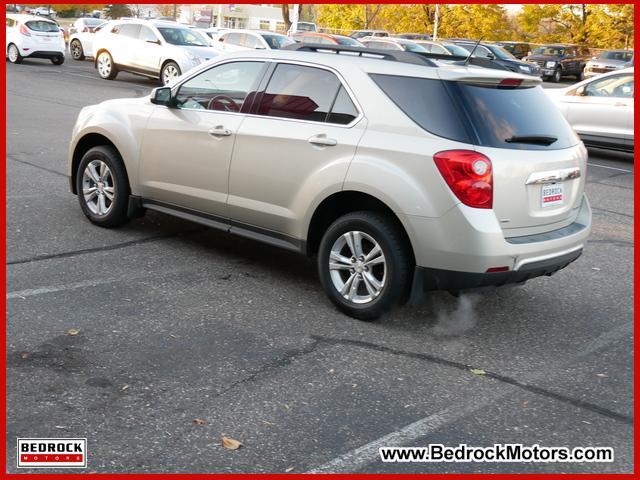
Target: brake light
[[510, 82], [469, 176], [24, 31]]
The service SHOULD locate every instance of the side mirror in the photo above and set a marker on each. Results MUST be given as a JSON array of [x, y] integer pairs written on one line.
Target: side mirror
[[259, 47], [491, 56], [162, 96], [221, 39], [580, 91]]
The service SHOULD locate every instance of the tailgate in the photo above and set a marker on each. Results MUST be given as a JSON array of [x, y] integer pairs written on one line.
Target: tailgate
[[536, 189]]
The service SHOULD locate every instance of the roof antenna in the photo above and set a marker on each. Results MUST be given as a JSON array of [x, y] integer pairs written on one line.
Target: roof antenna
[[466, 62]]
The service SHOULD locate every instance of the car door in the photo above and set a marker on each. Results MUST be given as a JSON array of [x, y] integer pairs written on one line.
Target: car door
[[570, 61], [149, 53], [603, 108], [187, 148], [123, 43], [293, 145]]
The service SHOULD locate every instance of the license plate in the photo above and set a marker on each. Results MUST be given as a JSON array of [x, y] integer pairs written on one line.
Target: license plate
[[552, 194], [45, 39]]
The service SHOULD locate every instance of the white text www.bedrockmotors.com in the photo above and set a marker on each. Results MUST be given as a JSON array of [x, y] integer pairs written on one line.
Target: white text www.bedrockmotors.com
[[510, 452]]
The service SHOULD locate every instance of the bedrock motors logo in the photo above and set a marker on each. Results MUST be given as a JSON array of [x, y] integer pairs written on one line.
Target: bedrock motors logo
[[52, 452]]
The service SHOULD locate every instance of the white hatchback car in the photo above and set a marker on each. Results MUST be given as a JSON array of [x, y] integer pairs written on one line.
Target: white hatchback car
[[28, 36], [157, 49], [600, 109]]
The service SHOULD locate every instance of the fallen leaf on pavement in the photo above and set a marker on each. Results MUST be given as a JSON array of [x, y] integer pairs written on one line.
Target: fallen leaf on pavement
[[230, 443], [477, 371], [289, 469], [199, 421], [73, 331], [24, 355]]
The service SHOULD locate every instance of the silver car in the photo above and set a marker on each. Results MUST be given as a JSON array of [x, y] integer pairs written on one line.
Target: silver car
[[365, 161], [158, 49], [600, 109], [608, 61]]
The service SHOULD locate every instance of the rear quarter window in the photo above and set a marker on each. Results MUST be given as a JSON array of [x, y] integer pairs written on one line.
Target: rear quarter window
[[427, 102]]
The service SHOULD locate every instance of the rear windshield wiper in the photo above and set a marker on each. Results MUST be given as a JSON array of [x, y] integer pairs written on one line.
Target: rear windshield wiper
[[533, 139]]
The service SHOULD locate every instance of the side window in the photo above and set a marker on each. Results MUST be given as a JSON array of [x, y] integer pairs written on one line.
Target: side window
[[301, 93], [343, 111], [617, 86], [147, 35], [130, 30], [438, 49], [222, 88], [233, 38], [250, 41]]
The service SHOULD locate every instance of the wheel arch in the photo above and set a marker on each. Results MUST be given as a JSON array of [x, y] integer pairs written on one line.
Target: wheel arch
[[340, 203], [86, 143]]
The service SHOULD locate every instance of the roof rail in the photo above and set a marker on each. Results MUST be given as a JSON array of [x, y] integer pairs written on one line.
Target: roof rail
[[404, 57]]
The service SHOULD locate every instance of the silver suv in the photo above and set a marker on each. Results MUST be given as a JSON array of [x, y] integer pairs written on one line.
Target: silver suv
[[401, 175]]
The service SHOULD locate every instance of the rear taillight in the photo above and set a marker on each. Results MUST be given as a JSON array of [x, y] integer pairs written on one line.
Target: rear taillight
[[510, 83], [24, 31], [468, 175]]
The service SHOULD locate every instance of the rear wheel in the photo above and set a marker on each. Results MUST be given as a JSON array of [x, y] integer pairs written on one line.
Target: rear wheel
[[102, 186], [77, 52], [557, 75], [106, 68], [580, 75], [59, 60], [14, 54], [364, 264]]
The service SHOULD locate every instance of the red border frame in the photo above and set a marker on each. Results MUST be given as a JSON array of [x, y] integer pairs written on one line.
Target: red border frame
[[65, 476]]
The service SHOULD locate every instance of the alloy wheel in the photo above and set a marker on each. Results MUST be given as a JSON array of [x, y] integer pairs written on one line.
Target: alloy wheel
[[98, 187], [104, 65], [357, 267], [169, 73], [13, 53]]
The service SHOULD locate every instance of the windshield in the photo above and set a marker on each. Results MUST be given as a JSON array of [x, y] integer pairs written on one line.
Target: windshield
[[305, 27], [414, 47], [500, 52], [42, 26], [555, 51], [183, 37], [276, 41], [351, 42], [456, 49], [619, 56], [92, 21]]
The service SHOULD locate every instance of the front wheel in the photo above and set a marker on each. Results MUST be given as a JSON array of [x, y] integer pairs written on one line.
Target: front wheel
[[103, 187], [106, 68], [170, 70], [77, 52], [59, 60], [557, 75], [14, 54], [365, 264]]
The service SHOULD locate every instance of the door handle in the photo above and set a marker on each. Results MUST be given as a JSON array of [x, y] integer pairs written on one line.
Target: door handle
[[323, 141], [619, 104], [219, 131]]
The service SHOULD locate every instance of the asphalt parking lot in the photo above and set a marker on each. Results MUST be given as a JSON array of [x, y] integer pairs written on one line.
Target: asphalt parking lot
[[177, 322]]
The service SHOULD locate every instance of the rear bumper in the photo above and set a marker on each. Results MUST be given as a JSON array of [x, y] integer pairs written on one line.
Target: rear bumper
[[427, 279], [45, 54]]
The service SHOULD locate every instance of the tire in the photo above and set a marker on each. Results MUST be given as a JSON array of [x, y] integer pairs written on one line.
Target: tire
[[94, 184], [392, 275], [106, 68], [557, 75], [580, 75], [59, 60], [77, 52], [170, 70], [14, 54]]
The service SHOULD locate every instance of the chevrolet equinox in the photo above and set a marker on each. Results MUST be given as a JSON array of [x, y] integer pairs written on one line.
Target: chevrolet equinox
[[401, 174]]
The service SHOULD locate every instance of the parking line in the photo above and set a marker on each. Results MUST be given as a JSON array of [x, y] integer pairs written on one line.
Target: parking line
[[58, 288], [610, 168], [359, 457]]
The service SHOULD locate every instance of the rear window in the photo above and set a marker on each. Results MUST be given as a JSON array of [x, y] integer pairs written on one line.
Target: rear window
[[485, 116], [42, 26]]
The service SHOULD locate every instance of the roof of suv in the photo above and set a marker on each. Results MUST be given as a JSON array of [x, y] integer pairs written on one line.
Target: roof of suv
[[445, 71]]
